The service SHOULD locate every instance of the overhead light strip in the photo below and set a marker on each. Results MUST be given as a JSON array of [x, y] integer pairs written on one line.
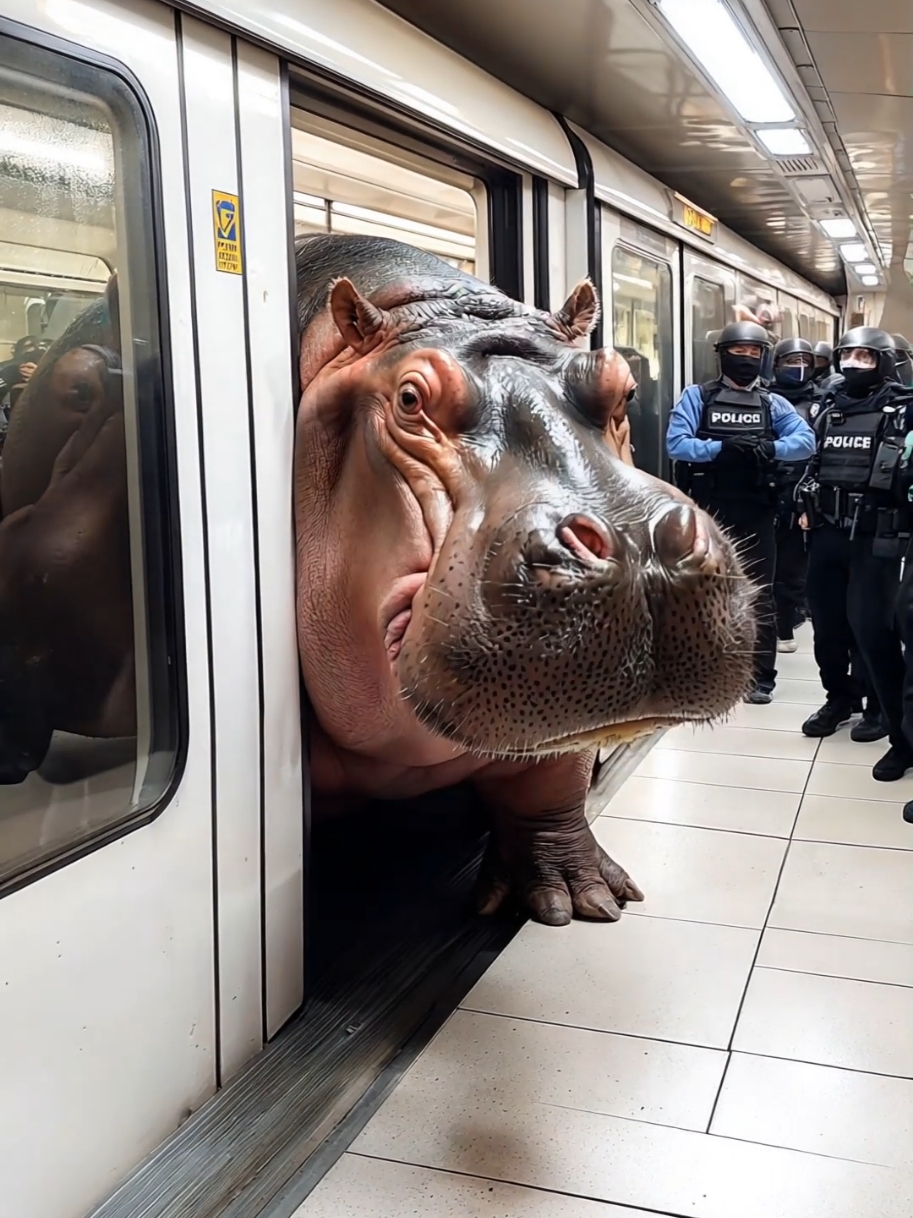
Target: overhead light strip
[[711, 34]]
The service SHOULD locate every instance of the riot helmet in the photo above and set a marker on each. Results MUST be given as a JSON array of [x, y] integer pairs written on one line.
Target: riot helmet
[[824, 355], [864, 357], [794, 363], [744, 349], [903, 360]]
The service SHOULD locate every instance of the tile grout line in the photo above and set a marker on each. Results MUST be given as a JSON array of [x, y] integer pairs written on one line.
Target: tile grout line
[[535, 1188], [757, 951]]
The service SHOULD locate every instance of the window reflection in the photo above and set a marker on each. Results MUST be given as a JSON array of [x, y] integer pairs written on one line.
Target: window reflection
[[642, 302], [80, 749], [708, 317]]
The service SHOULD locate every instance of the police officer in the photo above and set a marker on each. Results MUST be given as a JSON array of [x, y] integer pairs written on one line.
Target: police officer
[[823, 376], [903, 360], [726, 438], [859, 531], [794, 366]]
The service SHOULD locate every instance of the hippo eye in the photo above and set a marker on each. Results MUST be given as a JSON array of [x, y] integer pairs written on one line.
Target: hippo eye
[[631, 394], [409, 399]]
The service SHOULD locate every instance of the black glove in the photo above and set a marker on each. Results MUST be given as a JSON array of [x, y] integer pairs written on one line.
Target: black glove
[[765, 451], [739, 445]]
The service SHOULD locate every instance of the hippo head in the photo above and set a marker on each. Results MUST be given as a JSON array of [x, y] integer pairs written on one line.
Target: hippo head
[[481, 567]]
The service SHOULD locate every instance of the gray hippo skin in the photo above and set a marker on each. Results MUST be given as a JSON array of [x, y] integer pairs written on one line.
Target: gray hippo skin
[[488, 590]]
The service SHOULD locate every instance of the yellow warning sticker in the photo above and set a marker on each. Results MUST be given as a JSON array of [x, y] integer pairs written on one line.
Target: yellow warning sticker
[[226, 227]]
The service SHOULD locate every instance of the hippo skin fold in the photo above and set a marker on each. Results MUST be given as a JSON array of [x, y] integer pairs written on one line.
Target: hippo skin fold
[[488, 589]]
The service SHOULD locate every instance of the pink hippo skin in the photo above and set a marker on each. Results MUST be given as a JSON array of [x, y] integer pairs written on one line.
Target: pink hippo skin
[[487, 588]]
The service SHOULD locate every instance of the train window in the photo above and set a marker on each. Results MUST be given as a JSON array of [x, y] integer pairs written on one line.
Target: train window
[[708, 316], [88, 718], [344, 189], [787, 321], [642, 301], [807, 326]]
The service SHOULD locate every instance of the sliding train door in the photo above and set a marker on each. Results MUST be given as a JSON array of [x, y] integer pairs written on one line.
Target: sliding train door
[[642, 294], [710, 294], [151, 810], [107, 946]]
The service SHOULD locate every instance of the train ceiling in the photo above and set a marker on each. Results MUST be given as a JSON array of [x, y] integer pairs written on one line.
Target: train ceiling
[[616, 68]]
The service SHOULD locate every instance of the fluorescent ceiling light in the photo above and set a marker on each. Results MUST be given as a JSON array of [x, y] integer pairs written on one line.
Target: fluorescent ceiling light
[[865, 268], [785, 141], [854, 252], [708, 30], [839, 228], [870, 281]]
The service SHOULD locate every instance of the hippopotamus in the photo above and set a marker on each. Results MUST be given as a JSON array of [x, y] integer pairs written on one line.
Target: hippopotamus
[[66, 659], [488, 589]]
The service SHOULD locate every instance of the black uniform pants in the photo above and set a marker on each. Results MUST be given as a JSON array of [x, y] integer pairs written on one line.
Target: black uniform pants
[[852, 597], [789, 578], [754, 531], [905, 626]]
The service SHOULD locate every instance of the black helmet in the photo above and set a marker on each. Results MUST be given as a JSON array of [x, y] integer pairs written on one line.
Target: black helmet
[[824, 351], [743, 332], [879, 342], [793, 346], [903, 360]]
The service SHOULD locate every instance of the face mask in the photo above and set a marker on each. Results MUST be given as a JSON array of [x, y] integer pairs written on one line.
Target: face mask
[[791, 376], [740, 369], [859, 381]]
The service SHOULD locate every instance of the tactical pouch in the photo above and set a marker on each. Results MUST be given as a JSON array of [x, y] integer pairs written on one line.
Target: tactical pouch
[[890, 541], [887, 459]]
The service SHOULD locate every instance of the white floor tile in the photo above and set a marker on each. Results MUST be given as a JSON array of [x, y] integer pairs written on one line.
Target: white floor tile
[[843, 1113], [859, 959], [740, 742], [808, 693], [701, 875], [840, 750], [856, 782], [857, 822], [759, 773], [856, 891], [524, 1062], [778, 716], [358, 1187], [650, 977], [771, 813], [799, 666], [654, 1167], [828, 1020]]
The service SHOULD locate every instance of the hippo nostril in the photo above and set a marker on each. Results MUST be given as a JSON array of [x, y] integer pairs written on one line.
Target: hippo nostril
[[679, 537], [588, 539]]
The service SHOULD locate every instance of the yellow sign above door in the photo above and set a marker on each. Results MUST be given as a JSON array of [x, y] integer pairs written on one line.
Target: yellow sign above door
[[226, 227]]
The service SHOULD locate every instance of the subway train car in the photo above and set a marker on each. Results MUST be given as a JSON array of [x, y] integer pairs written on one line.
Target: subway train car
[[166, 1044]]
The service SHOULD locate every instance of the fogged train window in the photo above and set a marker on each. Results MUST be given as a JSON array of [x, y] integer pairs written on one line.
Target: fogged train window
[[642, 304], [87, 719], [708, 316], [343, 189]]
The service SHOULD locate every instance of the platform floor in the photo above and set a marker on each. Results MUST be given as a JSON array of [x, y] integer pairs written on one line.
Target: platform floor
[[739, 1046]]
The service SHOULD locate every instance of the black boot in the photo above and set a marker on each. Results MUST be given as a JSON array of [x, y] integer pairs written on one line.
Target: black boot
[[868, 729], [824, 722], [894, 764]]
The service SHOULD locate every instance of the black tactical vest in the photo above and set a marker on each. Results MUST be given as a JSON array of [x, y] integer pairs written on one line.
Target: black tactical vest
[[849, 443], [735, 412]]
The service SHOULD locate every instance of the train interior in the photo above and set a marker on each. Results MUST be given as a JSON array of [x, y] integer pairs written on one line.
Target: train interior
[[713, 1054]]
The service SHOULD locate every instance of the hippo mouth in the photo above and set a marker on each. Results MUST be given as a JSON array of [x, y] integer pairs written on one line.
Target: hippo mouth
[[612, 734], [396, 611]]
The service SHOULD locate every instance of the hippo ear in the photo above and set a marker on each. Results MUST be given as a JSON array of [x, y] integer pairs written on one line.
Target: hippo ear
[[357, 320], [579, 313]]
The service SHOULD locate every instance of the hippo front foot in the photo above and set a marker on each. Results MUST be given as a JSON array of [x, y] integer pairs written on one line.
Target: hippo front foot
[[554, 867]]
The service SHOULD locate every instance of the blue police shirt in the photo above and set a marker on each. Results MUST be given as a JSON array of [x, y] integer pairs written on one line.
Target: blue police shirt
[[794, 439]]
